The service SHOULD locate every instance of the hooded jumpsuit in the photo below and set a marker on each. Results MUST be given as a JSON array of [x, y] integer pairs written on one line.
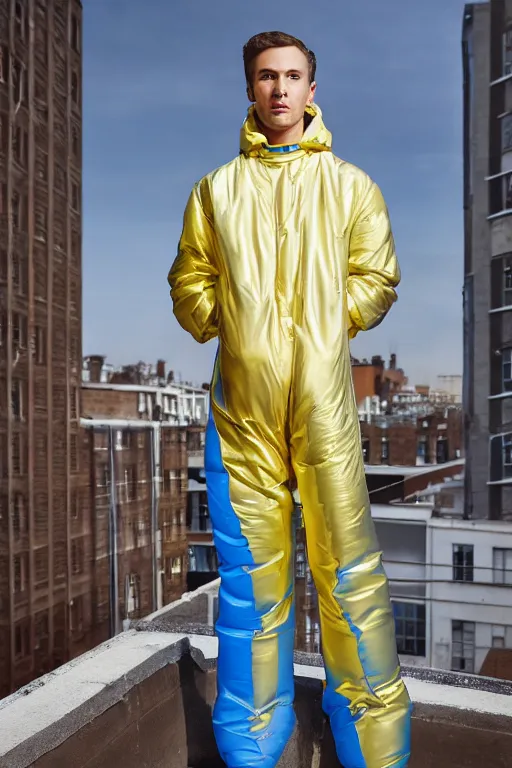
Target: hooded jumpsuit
[[286, 253]]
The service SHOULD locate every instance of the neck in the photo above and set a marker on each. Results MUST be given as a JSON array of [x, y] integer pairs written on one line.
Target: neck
[[288, 136]]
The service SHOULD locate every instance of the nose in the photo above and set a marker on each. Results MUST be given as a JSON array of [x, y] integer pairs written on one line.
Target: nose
[[279, 88]]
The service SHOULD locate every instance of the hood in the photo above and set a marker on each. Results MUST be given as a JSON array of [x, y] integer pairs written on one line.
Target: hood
[[316, 137]]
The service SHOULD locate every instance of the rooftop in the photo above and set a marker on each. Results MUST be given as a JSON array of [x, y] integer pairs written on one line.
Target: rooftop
[[144, 699]]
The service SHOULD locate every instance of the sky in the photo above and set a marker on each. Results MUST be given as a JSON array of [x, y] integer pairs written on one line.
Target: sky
[[164, 99]]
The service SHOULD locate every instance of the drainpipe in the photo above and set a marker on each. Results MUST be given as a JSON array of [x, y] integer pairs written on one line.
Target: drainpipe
[[112, 530], [154, 449]]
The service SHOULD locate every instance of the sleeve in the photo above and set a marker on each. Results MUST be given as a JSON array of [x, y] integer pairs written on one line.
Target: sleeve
[[373, 271], [193, 275]]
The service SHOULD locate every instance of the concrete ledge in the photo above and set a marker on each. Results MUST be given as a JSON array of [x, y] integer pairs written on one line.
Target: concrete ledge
[[48, 711], [42, 723]]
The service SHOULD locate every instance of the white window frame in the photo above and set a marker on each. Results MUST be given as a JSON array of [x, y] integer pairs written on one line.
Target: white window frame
[[506, 465], [502, 565], [507, 61], [460, 647], [506, 369], [507, 278]]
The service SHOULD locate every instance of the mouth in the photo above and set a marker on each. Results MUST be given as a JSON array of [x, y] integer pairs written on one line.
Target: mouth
[[278, 109]]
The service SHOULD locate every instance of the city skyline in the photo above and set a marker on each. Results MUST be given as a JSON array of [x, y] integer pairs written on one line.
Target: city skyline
[[159, 81]]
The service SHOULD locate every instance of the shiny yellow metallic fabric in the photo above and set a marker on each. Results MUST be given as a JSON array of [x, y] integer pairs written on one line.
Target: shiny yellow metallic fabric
[[284, 256]]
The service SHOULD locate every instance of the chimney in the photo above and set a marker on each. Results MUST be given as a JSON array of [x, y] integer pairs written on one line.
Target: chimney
[[95, 368], [170, 377], [392, 362], [160, 369]]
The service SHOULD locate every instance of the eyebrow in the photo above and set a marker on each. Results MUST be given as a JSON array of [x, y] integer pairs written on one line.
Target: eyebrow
[[267, 71]]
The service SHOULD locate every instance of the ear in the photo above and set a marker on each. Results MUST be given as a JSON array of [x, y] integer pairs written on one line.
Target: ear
[[250, 94], [312, 91]]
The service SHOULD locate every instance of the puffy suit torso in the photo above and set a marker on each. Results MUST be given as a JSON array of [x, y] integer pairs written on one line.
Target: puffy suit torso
[[286, 253]]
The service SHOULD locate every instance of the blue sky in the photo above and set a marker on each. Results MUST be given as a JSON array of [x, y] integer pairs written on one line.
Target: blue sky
[[164, 98]]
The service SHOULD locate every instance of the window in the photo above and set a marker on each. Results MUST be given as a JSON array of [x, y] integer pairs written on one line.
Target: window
[[19, 515], [130, 483], [502, 566], [20, 573], [3, 198], [441, 450], [202, 559], [506, 369], [18, 399], [19, 274], [423, 453], [462, 559], [22, 639], [410, 628], [41, 564], [384, 451], [75, 33], [498, 636], [507, 52], [20, 146], [312, 638], [73, 403], [40, 345], [507, 455], [507, 281], [463, 646], [19, 19], [75, 505], [42, 632], [300, 561], [506, 133], [73, 452], [75, 140], [132, 594], [19, 458], [75, 246], [77, 557], [17, 211], [40, 225], [366, 450], [4, 64], [171, 482], [20, 81], [41, 165], [174, 568], [76, 614], [75, 196], [75, 88], [501, 457]]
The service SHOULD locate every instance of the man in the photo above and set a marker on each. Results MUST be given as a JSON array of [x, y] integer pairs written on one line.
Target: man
[[286, 253]]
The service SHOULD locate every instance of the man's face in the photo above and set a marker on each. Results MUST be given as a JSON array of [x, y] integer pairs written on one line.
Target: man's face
[[281, 89]]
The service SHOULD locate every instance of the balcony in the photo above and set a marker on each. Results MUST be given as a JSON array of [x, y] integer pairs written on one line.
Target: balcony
[[144, 699]]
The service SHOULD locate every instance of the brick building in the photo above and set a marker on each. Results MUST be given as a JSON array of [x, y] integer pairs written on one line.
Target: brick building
[[40, 330], [132, 552], [142, 431], [433, 438], [372, 379]]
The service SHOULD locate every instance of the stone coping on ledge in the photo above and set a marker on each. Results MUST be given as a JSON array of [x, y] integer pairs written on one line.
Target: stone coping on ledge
[[170, 619], [47, 712]]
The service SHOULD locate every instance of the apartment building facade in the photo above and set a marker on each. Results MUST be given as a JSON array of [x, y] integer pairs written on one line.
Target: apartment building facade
[[40, 329], [143, 431], [487, 65]]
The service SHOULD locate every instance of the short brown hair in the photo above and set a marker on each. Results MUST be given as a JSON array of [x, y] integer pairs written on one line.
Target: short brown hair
[[265, 40]]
